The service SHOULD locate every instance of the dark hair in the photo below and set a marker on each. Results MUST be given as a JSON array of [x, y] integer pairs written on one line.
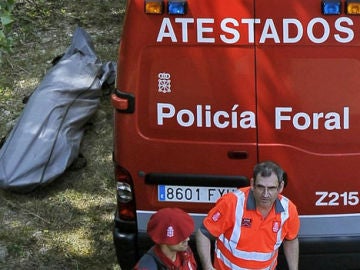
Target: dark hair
[[266, 168]]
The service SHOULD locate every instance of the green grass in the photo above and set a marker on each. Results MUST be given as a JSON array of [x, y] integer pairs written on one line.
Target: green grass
[[67, 224]]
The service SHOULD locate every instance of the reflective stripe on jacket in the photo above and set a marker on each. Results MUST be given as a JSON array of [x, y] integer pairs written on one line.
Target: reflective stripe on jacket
[[226, 248]]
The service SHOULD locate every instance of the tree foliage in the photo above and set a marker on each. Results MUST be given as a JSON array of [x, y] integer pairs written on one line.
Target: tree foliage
[[6, 20]]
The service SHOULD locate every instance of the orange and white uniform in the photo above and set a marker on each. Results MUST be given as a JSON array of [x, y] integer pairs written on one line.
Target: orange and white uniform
[[246, 240]]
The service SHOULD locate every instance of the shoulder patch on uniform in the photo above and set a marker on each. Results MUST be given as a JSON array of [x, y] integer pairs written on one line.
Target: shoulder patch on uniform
[[215, 217]]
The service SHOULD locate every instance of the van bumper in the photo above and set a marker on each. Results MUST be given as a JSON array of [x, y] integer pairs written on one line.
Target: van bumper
[[326, 253], [320, 253]]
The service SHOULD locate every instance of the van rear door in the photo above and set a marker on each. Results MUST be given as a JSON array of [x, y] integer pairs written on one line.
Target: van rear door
[[308, 94], [194, 103]]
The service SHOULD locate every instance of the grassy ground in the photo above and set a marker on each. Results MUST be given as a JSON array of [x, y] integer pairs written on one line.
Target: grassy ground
[[68, 224]]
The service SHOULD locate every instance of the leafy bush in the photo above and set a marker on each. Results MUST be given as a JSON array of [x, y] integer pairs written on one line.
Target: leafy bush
[[6, 20]]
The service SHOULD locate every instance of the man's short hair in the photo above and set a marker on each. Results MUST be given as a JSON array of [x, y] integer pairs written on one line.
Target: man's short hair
[[266, 168]]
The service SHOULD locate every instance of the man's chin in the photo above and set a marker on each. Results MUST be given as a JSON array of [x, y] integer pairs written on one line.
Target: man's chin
[[265, 203]]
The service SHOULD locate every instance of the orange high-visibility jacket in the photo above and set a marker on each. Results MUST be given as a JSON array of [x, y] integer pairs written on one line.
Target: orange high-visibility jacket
[[246, 240]]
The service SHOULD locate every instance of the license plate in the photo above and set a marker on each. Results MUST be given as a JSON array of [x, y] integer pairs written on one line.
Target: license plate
[[191, 193]]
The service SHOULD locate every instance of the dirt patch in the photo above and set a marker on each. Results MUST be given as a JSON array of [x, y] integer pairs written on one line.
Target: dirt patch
[[68, 224]]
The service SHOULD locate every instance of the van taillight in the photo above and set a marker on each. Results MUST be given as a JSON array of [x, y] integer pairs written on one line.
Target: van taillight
[[174, 7], [124, 194]]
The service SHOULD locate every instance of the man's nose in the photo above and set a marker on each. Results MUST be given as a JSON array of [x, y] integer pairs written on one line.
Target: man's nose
[[266, 192]]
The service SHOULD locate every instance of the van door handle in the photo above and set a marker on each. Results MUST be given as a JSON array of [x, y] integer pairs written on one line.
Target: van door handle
[[237, 154], [123, 102]]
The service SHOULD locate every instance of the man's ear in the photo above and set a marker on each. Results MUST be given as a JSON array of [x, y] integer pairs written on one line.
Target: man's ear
[[281, 186], [252, 183]]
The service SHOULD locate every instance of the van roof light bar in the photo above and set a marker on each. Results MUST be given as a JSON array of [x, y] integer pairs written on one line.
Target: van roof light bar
[[331, 7], [177, 7], [353, 7], [154, 6]]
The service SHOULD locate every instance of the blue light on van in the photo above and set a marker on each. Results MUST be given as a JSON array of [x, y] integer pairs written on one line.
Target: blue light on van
[[331, 7], [177, 7]]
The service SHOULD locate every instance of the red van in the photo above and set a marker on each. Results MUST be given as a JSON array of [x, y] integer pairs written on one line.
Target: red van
[[206, 89]]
